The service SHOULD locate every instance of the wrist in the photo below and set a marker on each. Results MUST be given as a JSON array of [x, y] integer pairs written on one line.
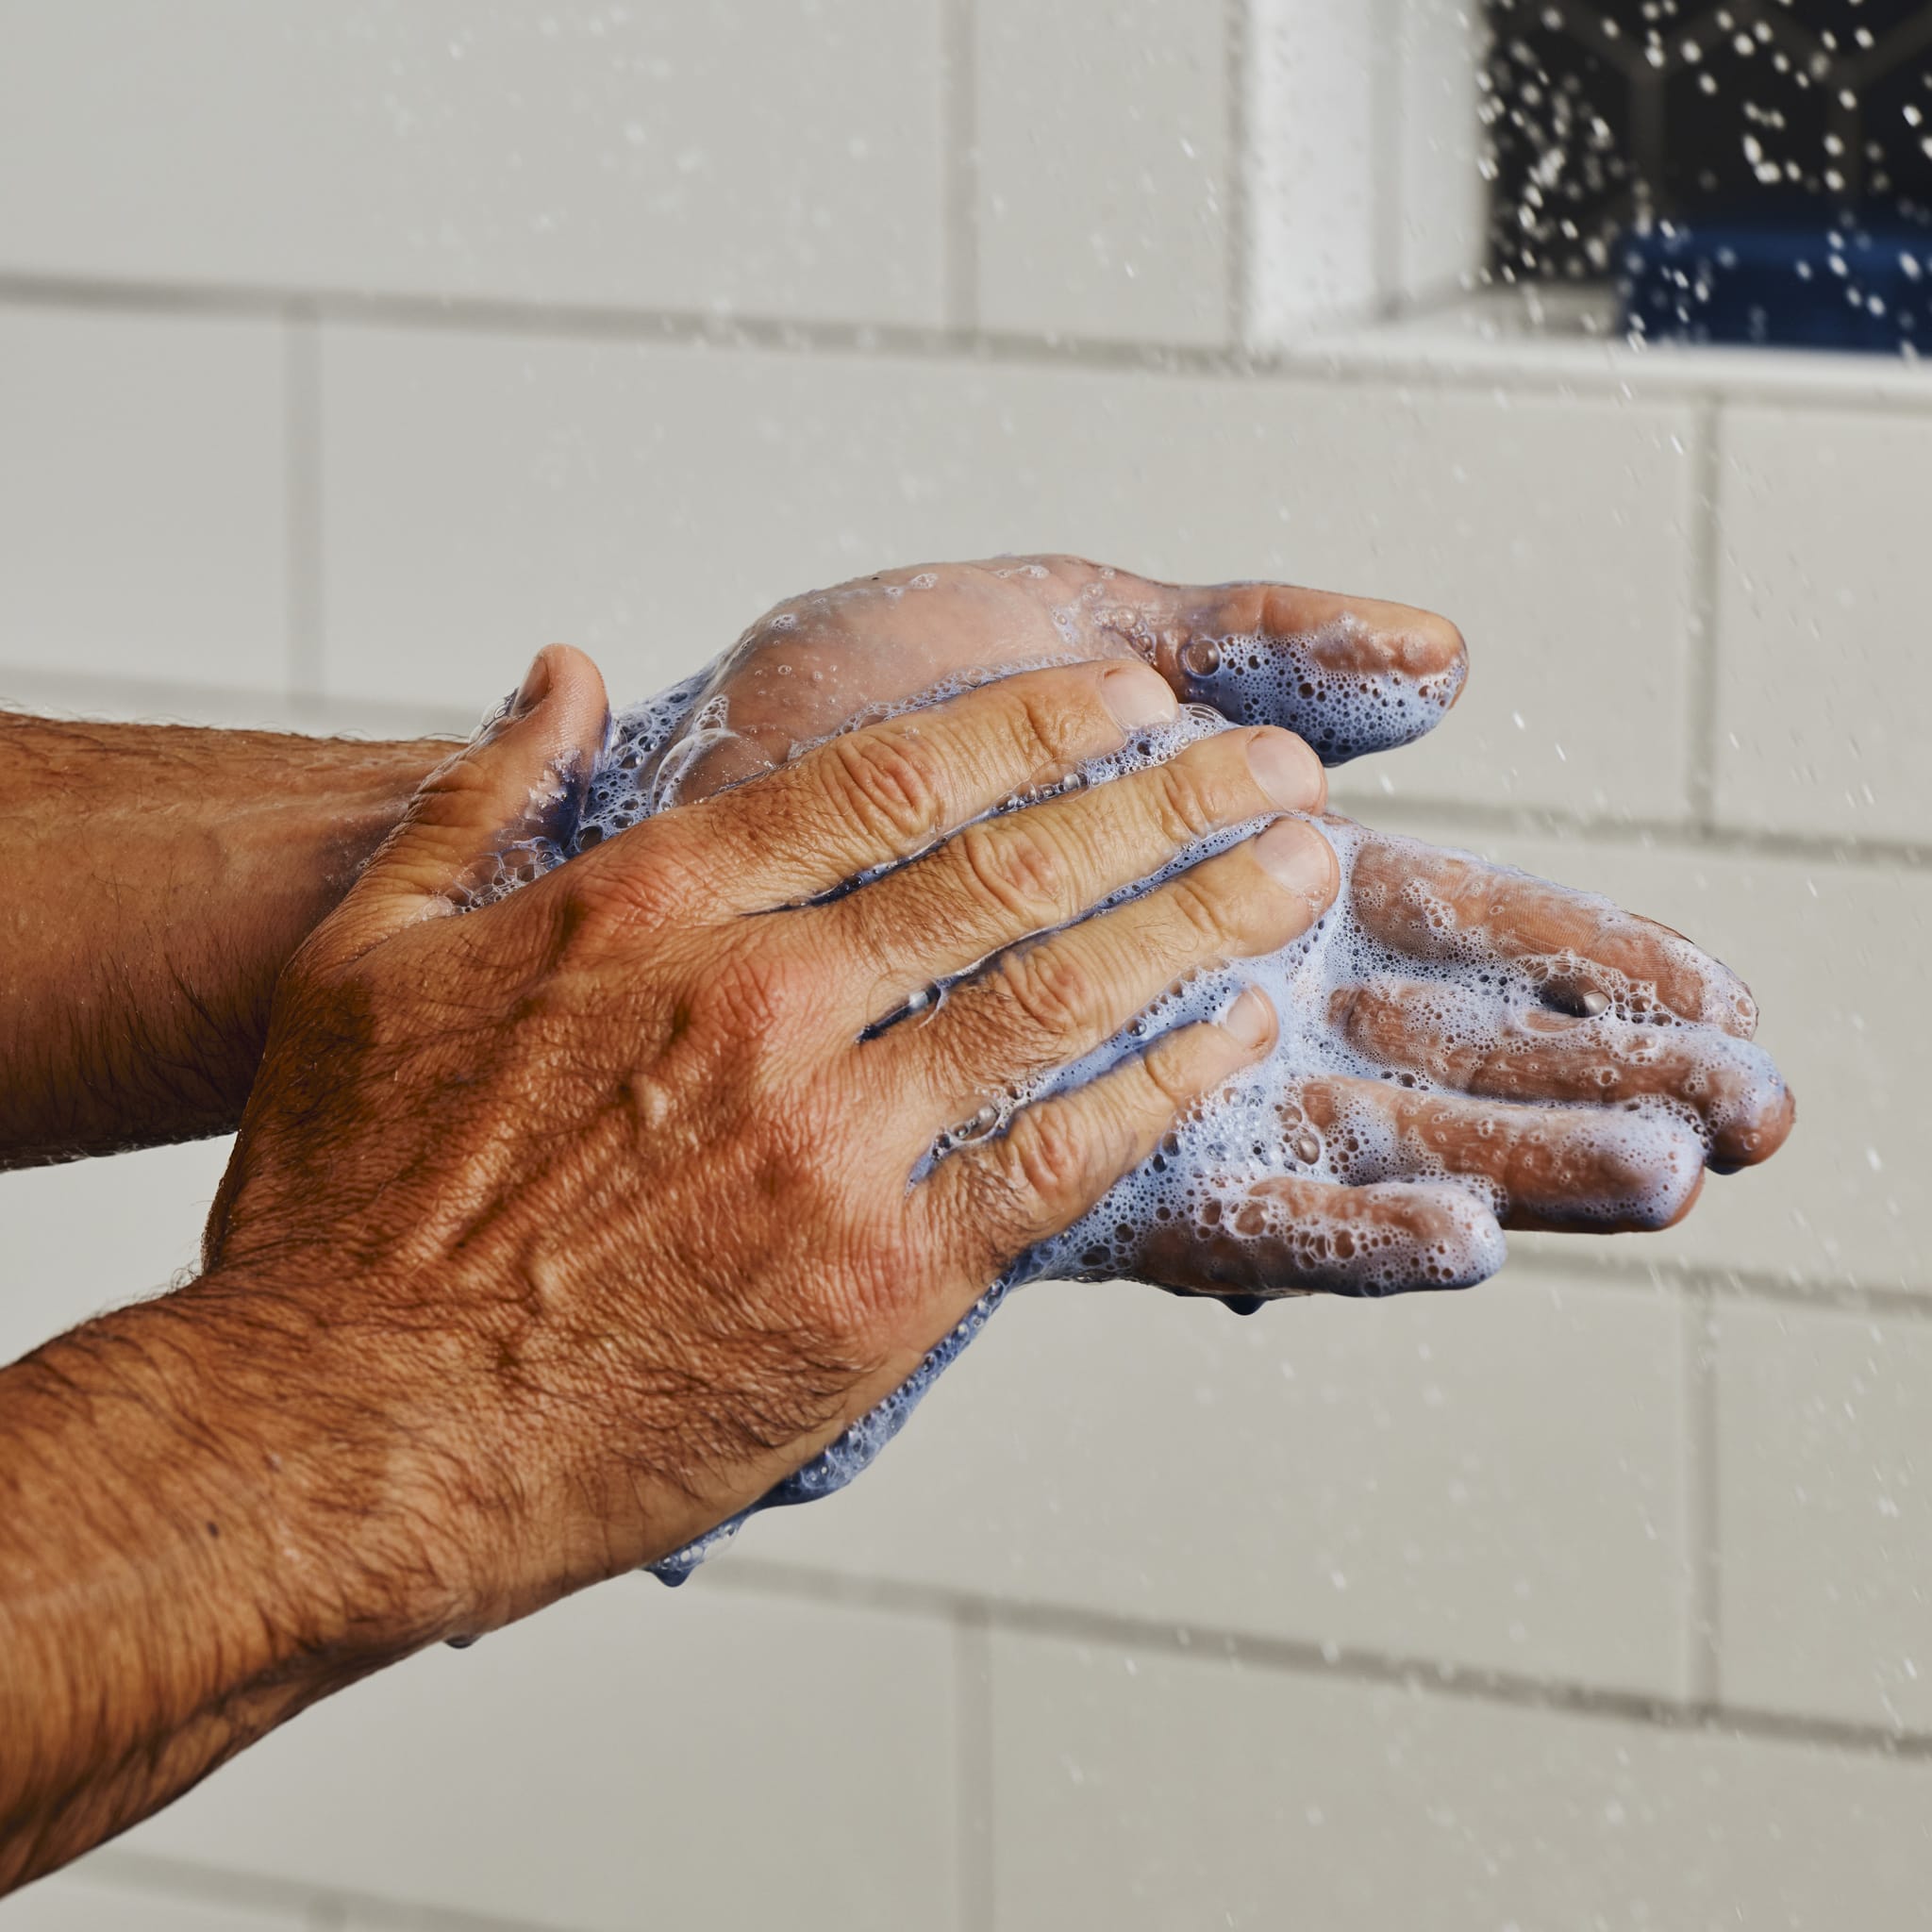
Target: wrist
[[174, 871], [191, 1550]]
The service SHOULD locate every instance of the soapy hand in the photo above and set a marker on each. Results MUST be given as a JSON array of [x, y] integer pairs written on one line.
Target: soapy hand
[[1346, 675], [1465, 1047]]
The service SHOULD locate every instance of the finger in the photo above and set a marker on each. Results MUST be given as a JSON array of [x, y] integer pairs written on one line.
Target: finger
[[1604, 1171], [518, 779], [1285, 1235], [1042, 1007], [1438, 905], [1350, 674], [1729, 1086], [1027, 872], [882, 794], [991, 1202]]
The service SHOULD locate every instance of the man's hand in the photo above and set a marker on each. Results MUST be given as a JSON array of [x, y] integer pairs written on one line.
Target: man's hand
[[558, 1231], [1533, 1112], [1578, 1063], [1346, 675]]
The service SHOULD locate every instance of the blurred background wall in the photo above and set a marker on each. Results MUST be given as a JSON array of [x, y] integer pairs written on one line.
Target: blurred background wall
[[348, 351]]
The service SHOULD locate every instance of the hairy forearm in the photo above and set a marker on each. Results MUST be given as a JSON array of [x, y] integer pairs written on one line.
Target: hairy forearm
[[206, 1523], [160, 878]]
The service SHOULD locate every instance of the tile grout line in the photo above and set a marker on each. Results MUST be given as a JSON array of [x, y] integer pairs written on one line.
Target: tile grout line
[[160, 1874], [960, 161], [1703, 1524], [1388, 89], [302, 420], [1701, 701], [1733, 1284], [1425, 1676], [1312, 360], [1237, 60], [972, 1691]]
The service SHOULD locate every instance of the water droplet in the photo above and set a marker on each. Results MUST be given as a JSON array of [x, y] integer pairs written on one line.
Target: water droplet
[[1200, 658], [978, 1125]]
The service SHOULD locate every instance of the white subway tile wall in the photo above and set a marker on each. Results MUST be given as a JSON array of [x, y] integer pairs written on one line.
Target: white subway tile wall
[[143, 525], [1826, 1509], [1404, 1479], [1124, 110], [1825, 677], [776, 159], [1144, 1784], [348, 353]]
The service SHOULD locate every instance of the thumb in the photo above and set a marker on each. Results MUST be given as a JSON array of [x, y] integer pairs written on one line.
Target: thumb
[[521, 777]]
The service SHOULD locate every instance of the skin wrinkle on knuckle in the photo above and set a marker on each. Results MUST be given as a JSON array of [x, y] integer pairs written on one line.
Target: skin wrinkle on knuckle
[[1054, 996], [1170, 1066], [1040, 731], [1017, 868], [887, 785], [1198, 908], [1053, 1160], [1181, 801]]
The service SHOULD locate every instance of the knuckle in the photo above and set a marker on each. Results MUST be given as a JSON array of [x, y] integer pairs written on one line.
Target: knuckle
[[1016, 867], [1181, 798], [1039, 730], [1050, 1156], [1171, 1078], [1199, 912], [886, 783], [643, 880], [758, 991], [1054, 995]]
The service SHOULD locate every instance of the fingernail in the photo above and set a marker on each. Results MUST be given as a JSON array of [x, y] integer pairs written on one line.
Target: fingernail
[[1137, 696], [536, 682], [1251, 1019], [1285, 769], [1297, 855]]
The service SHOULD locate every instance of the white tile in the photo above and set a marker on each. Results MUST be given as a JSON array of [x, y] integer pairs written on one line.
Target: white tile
[[1832, 954], [141, 509], [1493, 1478], [1143, 1791], [634, 1755], [779, 159], [482, 496], [1321, 98], [1825, 1515], [72, 1901], [94, 1234], [1102, 169], [1824, 694]]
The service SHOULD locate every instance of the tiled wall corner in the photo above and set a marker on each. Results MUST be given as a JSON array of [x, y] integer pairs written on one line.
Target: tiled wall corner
[[1318, 80], [1824, 1513], [631, 1756], [783, 159], [1140, 1790], [1440, 214], [143, 518], [1103, 176], [1354, 1474], [1825, 691]]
